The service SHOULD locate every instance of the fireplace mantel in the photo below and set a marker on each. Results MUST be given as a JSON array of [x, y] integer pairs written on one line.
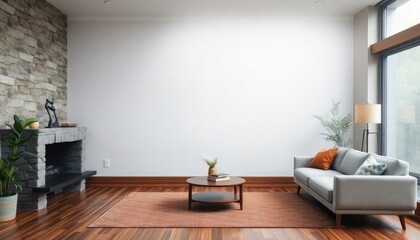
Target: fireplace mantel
[[60, 135]]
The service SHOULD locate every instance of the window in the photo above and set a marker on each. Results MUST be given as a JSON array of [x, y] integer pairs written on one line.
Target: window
[[400, 15], [400, 81], [402, 98]]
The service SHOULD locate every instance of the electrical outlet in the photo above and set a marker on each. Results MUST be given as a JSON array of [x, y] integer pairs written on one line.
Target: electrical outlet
[[107, 163]]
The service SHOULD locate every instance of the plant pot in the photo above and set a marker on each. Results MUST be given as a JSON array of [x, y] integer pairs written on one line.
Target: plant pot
[[212, 170], [34, 125], [8, 208]]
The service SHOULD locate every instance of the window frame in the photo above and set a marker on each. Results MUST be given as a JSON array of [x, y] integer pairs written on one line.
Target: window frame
[[382, 17], [382, 69]]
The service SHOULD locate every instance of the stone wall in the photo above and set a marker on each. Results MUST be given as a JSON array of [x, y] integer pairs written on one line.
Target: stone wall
[[33, 60]]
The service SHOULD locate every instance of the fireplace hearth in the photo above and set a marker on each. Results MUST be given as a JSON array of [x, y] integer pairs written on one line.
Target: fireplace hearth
[[62, 167]]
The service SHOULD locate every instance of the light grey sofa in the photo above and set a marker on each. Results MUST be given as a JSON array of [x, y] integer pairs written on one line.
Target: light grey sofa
[[392, 193]]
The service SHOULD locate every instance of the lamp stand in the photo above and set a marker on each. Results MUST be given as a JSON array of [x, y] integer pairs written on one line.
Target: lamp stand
[[366, 133]]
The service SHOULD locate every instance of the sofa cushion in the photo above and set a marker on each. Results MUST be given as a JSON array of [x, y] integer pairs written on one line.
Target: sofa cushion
[[323, 159], [394, 166], [303, 174], [324, 186], [339, 157], [352, 161], [371, 167]]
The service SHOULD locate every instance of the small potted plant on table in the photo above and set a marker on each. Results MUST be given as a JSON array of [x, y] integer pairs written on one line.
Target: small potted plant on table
[[211, 162]]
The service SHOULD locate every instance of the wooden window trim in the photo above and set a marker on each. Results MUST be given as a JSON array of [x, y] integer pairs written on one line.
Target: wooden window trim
[[397, 39]]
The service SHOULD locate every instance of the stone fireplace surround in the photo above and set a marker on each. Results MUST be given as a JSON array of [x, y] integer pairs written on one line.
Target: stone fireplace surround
[[62, 147]]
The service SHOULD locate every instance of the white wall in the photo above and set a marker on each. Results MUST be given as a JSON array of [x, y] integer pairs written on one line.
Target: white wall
[[365, 70], [156, 95]]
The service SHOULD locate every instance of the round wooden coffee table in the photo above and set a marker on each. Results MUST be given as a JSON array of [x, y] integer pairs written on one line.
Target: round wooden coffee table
[[215, 196]]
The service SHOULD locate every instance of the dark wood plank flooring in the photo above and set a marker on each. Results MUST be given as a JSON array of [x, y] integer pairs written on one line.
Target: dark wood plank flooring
[[68, 215]]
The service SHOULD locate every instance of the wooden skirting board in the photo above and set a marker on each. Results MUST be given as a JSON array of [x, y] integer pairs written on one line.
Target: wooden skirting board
[[418, 211], [126, 181], [416, 217]]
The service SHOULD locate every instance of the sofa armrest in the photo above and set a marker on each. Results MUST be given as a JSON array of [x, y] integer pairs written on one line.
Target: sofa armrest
[[302, 161], [353, 192]]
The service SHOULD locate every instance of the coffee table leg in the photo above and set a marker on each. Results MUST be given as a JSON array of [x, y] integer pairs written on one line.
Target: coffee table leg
[[189, 196], [241, 200]]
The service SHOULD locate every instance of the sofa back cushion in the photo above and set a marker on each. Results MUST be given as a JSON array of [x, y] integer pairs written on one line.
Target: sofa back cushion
[[351, 162], [394, 166], [339, 157]]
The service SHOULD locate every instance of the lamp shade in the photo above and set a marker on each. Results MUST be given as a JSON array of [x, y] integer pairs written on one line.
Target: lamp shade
[[367, 113]]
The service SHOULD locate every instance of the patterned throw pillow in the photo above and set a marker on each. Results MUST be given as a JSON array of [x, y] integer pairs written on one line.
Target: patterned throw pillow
[[371, 167]]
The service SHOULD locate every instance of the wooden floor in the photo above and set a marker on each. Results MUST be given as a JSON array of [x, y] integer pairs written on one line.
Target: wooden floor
[[68, 215]]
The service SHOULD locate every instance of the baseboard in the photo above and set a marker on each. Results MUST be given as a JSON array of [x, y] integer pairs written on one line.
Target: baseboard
[[416, 216], [251, 181]]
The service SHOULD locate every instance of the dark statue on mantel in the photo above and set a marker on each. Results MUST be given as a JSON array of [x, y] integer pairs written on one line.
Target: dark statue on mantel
[[49, 105]]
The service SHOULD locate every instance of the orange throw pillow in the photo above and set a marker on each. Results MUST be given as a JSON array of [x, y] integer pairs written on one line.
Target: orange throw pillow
[[323, 159]]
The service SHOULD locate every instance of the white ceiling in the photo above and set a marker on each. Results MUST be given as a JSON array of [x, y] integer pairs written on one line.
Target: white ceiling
[[173, 9]]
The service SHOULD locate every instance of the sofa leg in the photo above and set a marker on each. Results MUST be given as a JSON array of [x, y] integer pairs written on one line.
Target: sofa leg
[[402, 221], [298, 190], [337, 220]]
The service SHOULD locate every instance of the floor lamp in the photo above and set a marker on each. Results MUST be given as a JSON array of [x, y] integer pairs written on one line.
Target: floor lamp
[[367, 113]]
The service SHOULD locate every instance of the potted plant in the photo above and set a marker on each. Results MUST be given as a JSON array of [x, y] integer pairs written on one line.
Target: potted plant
[[9, 166], [211, 162], [336, 126]]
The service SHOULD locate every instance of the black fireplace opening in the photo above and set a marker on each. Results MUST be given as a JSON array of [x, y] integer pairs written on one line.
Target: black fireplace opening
[[63, 166], [61, 158]]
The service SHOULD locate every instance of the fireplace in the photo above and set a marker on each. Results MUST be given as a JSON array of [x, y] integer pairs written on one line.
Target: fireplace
[[62, 167]]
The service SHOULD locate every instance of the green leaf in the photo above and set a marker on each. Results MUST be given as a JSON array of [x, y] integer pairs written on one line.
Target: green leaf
[[27, 122], [15, 133], [17, 125], [34, 155]]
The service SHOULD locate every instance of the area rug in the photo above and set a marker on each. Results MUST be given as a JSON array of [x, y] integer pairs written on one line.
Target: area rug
[[170, 210]]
